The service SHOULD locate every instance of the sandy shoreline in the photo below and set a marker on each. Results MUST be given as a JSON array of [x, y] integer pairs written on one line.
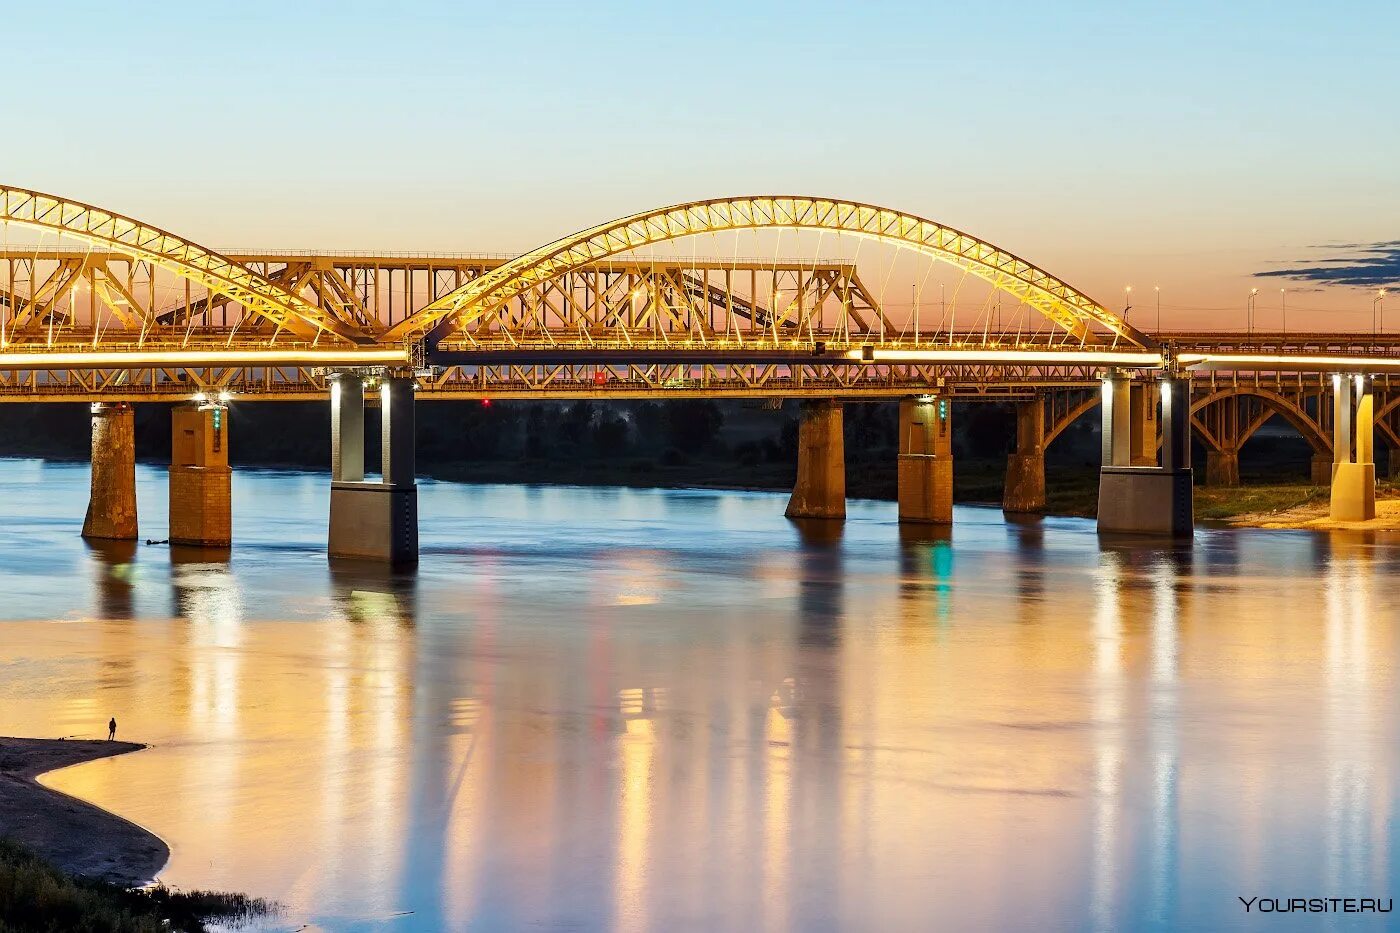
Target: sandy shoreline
[[1314, 517], [75, 836]]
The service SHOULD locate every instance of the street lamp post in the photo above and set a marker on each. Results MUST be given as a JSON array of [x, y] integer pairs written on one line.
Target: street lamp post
[[1249, 311], [1158, 290], [1378, 312], [1283, 314], [914, 294]]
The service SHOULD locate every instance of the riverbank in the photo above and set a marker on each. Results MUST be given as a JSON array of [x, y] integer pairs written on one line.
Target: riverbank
[[1311, 513], [76, 837]]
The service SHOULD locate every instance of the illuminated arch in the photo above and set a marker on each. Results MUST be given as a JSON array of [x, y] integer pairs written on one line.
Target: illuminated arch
[[1066, 306], [1274, 404], [1066, 420], [179, 256]]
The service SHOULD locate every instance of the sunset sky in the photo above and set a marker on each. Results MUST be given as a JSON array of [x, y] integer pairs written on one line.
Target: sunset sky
[[1188, 145]]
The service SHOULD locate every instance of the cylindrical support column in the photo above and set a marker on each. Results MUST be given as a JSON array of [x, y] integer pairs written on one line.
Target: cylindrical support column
[[1222, 467], [347, 428], [1354, 479], [396, 432], [926, 460], [1024, 490], [1341, 419], [1365, 446], [820, 488], [201, 509], [1117, 420], [1175, 394], [1143, 429], [373, 520], [111, 511]]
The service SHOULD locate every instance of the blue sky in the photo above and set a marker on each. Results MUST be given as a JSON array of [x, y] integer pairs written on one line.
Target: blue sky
[[1184, 144]]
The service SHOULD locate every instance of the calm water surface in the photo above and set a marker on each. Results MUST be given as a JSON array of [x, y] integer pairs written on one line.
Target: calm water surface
[[659, 710]]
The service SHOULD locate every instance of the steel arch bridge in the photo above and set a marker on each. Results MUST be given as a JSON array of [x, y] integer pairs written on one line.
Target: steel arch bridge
[[481, 302], [580, 317], [141, 241]]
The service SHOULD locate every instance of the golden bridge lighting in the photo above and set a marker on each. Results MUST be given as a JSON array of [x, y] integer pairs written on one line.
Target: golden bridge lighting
[[1290, 362], [1136, 358], [118, 359]]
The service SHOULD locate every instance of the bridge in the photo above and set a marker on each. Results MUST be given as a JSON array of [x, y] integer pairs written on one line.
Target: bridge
[[101, 308]]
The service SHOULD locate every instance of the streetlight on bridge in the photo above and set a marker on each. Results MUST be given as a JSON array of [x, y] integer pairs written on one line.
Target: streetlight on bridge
[[1378, 311], [1283, 314], [1249, 311]]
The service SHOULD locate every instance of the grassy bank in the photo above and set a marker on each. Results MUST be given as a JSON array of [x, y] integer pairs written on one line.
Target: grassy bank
[[36, 896]]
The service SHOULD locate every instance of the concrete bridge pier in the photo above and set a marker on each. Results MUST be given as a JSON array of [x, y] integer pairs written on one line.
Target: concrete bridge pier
[[1223, 467], [1353, 449], [1145, 499], [1321, 469], [926, 460], [1025, 468], [111, 511], [201, 512], [820, 488], [375, 521]]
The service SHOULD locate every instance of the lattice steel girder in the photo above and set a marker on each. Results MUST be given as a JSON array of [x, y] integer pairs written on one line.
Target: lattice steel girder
[[179, 256], [1058, 301], [620, 381]]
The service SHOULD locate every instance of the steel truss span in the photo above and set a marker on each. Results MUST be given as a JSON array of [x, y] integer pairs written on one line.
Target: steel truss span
[[481, 304], [143, 314], [140, 241]]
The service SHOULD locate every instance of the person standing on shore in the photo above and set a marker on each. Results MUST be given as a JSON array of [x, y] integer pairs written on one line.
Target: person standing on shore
[[111, 728]]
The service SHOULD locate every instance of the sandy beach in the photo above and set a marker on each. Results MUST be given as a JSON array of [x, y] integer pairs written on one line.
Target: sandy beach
[[75, 836], [1314, 516]]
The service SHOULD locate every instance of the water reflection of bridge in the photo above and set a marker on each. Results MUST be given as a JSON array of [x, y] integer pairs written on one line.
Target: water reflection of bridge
[[477, 760]]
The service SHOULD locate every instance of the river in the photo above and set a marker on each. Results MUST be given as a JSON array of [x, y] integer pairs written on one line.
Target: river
[[668, 710]]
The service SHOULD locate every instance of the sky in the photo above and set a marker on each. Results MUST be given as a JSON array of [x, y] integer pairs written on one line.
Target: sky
[[1200, 147]]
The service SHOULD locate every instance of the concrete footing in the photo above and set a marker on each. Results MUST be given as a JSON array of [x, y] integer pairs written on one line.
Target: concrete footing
[[201, 509], [374, 521], [1025, 483], [201, 512], [111, 511], [820, 488], [1223, 467], [1145, 500], [1354, 492], [925, 460]]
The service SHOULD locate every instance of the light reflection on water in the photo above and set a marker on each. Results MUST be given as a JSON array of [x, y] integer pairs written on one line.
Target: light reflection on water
[[663, 710]]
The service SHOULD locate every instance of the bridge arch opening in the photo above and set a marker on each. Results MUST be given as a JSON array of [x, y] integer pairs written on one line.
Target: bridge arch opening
[[1226, 420]]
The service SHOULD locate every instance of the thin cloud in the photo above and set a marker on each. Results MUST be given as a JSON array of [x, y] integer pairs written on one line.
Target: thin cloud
[[1368, 265]]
